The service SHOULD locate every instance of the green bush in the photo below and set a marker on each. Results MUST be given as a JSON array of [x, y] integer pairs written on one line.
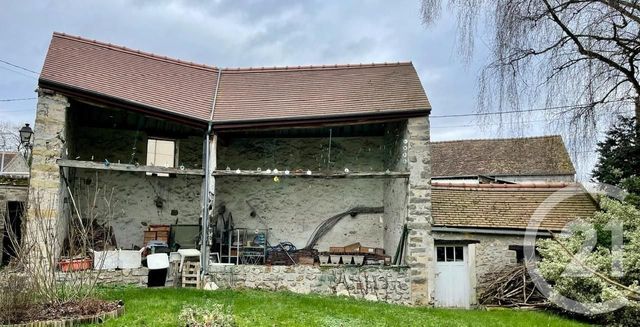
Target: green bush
[[591, 288], [211, 315]]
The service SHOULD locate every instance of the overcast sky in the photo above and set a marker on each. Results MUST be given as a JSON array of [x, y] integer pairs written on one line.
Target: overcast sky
[[256, 33]]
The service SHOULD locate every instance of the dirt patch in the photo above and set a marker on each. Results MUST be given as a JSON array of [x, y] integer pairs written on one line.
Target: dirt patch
[[68, 310]]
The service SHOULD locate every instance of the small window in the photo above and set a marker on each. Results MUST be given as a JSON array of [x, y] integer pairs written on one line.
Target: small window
[[459, 253], [161, 153], [449, 253], [440, 253]]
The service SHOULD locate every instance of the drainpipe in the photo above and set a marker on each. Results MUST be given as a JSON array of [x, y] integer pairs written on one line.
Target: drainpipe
[[205, 208], [204, 239]]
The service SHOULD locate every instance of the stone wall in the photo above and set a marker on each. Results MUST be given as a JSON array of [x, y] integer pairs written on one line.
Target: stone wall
[[386, 284], [314, 153], [127, 201], [293, 207], [46, 190], [420, 243], [134, 277], [48, 146], [491, 253], [116, 145], [395, 190]]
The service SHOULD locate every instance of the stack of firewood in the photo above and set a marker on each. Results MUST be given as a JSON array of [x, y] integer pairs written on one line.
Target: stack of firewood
[[510, 287]]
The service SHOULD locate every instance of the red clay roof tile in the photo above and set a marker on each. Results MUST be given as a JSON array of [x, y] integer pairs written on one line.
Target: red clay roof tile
[[167, 84], [245, 94]]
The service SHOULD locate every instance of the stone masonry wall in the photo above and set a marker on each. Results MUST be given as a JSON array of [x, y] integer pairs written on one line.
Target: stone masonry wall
[[386, 284], [116, 145], [45, 186], [134, 277], [49, 137], [132, 201], [395, 190], [491, 253], [420, 244], [293, 207]]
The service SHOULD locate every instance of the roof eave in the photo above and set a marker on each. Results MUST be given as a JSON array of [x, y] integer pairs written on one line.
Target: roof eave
[[320, 119], [504, 175], [94, 96], [443, 228]]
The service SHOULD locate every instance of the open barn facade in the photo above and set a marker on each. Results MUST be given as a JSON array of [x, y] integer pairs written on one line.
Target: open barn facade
[[314, 179]]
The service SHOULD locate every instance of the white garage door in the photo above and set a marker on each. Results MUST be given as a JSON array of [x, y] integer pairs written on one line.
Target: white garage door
[[452, 283]]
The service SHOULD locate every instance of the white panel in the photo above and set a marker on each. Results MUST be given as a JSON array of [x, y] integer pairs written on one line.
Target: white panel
[[452, 285]]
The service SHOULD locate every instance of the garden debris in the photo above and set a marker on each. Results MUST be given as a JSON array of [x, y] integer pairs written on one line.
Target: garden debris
[[292, 257], [66, 310], [511, 287], [354, 254]]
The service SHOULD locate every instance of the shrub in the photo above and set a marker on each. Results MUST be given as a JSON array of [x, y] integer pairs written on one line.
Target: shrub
[[212, 315], [16, 297], [592, 288]]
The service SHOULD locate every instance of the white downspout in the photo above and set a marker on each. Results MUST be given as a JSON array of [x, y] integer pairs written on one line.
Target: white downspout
[[204, 239]]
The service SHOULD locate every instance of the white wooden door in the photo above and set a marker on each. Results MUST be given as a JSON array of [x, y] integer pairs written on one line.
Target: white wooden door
[[452, 282]]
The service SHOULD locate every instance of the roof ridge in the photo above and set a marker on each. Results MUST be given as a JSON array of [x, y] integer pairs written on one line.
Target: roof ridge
[[313, 67], [135, 52], [504, 138]]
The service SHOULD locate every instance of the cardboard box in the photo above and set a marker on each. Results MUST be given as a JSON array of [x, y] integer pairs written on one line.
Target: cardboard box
[[159, 228], [150, 236], [352, 248], [336, 249], [368, 250]]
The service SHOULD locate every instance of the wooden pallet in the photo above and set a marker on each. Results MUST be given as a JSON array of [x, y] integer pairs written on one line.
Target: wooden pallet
[[191, 274]]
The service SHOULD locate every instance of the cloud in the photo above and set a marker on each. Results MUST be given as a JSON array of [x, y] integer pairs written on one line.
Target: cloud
[[251, 33]]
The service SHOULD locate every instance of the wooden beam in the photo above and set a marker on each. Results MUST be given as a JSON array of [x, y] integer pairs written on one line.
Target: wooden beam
[[127, 167], [254, 173]]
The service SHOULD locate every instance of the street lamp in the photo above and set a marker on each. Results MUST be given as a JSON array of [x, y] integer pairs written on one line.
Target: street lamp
[[25, 135]]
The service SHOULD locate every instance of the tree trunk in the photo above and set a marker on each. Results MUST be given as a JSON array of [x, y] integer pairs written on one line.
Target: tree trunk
[[637, 103]]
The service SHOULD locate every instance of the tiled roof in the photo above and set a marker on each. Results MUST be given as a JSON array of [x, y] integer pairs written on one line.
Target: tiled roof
[[544, 155], [171, 85], [509, 206], [317, 91], [262, 94]]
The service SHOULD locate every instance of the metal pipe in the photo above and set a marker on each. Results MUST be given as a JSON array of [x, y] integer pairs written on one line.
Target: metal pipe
[[204, 239]]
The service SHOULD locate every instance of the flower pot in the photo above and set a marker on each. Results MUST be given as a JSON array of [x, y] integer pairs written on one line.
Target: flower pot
[[67, 265]]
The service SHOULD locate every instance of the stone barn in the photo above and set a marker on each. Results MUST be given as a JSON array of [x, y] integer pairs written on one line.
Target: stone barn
[[306, 178]]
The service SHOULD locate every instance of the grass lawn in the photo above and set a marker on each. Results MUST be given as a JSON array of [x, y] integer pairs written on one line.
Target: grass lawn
[[160, 307]]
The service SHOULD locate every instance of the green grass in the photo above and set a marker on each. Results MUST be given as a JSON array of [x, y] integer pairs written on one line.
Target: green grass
[[160, 307]]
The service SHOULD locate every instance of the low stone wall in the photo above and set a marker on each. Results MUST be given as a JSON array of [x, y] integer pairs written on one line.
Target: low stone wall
[[387, 284], [134, 277]]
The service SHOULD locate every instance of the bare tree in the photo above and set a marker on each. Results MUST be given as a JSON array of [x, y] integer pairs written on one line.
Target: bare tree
[[9, 137], [579, 56]]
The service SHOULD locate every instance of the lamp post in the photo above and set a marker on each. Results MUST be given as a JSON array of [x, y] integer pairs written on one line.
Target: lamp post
[[25, 140]]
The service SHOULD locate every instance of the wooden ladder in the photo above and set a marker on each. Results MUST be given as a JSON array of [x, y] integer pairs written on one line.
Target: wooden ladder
[[191, 274]]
